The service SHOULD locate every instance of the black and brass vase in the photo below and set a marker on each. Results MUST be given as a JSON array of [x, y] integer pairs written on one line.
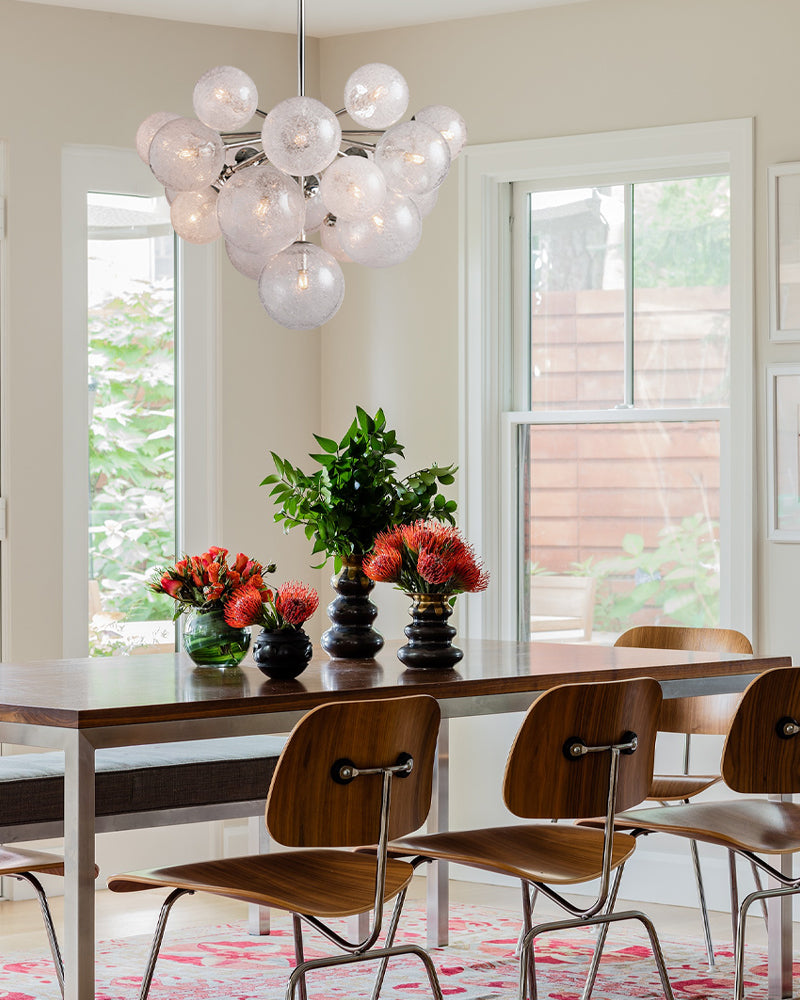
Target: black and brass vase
[[430, 638], [283, 653], [351, 635]]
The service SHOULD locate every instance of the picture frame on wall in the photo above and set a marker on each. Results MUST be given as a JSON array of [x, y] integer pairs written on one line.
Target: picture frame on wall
[[784, 251], [783, 452]]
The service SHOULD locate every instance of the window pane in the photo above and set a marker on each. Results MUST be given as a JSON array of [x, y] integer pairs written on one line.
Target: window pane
[[681, 292], [577, 307], [633, 507], [131, 419]]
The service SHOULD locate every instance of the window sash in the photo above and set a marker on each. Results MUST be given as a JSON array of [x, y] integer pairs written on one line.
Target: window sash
[[488, 368]]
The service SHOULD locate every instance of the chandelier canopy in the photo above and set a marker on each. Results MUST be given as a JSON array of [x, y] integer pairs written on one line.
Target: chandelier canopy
[[363, 190]]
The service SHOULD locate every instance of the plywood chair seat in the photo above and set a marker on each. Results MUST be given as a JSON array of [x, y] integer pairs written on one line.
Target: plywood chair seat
[[538, 852], [13, 861], [325, 883], [740, 824], [669, 787]]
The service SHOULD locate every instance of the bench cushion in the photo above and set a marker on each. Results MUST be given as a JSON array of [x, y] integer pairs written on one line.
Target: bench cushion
[[142, 779]]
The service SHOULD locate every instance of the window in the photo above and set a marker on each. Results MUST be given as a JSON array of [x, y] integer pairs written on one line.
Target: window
[[607, 343], [625, 320], [138, 310]]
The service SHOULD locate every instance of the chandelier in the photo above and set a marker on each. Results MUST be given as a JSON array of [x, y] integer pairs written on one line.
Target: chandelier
[[363, 190]]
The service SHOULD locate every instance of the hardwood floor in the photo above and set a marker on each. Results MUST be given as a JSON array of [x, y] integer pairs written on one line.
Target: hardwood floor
[[122, 915]]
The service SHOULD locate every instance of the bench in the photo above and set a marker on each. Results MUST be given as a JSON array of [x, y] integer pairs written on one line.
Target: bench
[[145, 786], [562, 603]]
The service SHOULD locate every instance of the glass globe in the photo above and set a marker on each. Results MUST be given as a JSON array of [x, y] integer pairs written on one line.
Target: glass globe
[[301, 136], [376, 95], [448, 123], [353, 187], [225, 98], [413, 157], [248, 264], [186, 155], [302, 287], [425, 202], [194, 215], [261, 210], [387, 237], [148, 128], [329, 237]]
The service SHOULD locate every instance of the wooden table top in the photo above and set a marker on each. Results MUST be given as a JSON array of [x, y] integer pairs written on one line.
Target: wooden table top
[[94, 692]]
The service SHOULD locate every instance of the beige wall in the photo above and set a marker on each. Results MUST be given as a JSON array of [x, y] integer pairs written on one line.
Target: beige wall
[[605, 65], [70, 76]]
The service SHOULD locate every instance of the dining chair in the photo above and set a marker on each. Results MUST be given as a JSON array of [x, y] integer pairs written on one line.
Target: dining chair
[[761, 757], [25, 866], [351, 773], [709, 715], [582, 750]]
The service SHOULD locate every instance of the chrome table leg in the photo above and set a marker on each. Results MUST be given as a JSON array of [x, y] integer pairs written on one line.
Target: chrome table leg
[[257, 843], [438, 822], [79, 878]]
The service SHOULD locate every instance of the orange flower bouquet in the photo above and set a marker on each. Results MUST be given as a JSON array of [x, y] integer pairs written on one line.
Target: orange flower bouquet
[[432, 563], [282, 648]]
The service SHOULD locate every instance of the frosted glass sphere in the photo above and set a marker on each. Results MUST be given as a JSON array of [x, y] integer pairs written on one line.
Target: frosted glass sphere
[[194, 215], [316, 210], [248, 264], [387, 237], [376, 95], [148, 129], [448, 123], [225, 98], [329, 237], [301, 136], [302, 287], [186, 155], [413, 157], [425, 202], [261, 210], [353, 187]]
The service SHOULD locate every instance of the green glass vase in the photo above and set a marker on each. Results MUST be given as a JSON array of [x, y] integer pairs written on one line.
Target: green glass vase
[[211, 641]]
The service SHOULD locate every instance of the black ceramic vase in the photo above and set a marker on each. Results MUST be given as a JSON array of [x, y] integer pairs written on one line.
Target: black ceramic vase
[[282, 654], [351, 635], [430, 638]]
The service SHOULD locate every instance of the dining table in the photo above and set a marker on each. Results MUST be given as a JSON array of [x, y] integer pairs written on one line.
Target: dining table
[[81, 705]]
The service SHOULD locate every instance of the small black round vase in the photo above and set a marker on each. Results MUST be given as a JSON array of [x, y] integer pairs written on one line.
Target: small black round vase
[[430, 638], [282, 654]]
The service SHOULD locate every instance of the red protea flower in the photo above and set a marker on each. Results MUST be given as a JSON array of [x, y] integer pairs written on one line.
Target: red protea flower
[[392, 539], [383, 564], [295, 602], [244, 607], [468, 573], [436, 566]]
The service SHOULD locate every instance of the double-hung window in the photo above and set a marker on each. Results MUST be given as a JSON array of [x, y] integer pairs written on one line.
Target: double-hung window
[[608, 381]]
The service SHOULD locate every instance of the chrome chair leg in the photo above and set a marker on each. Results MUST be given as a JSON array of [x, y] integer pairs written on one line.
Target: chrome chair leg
[[602, 934], [760, 888], [376, 954], [529, 894], [701, 897], [48, 924], [167, 905], [734, 897], [297, 928], [391, 930], [601, 919]]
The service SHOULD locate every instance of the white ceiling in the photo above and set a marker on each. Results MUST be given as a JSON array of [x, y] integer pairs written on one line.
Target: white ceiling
[[323, 17]]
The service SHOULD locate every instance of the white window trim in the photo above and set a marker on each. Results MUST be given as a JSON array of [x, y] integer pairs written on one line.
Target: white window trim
[[86, 169], [487, 458], [5, 422]]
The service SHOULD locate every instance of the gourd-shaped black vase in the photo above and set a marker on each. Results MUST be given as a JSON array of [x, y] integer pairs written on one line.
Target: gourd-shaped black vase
[[430, 638], [351, 635]]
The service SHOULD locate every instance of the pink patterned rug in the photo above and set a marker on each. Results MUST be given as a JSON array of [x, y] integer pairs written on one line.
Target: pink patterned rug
[[225, 963]]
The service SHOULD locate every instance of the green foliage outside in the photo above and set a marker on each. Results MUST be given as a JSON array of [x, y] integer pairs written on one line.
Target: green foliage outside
[[131, 453], [682, 235], [356, 492], [677, 582]]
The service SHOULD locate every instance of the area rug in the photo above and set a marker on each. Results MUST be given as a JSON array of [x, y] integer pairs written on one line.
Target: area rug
[[226, 963]]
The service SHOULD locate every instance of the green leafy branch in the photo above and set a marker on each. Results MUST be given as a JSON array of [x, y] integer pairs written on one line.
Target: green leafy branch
[[355, 494]]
